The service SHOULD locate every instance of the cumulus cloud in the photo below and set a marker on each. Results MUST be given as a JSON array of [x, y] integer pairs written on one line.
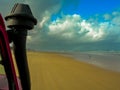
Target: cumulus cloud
[[76, 28], [73, 32]]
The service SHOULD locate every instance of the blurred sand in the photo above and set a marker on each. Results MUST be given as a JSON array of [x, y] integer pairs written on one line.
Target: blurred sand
[[53, 71]]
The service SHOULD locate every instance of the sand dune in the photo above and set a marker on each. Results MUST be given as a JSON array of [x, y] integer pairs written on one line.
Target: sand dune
[[52, 71]]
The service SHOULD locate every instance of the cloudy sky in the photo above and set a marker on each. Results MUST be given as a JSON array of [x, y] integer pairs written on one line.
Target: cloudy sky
[[72, 25]]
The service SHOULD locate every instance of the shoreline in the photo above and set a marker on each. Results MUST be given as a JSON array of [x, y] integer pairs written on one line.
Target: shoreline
[[105, 60]]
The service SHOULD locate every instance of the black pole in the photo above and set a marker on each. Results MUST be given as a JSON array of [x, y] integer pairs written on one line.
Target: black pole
[[19, 21], [19, 42]]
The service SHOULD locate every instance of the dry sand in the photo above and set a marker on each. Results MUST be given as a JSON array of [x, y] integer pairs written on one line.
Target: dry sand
[[53, 71]]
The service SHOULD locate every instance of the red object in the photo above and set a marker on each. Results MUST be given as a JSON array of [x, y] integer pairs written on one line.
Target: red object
[[8, 61]]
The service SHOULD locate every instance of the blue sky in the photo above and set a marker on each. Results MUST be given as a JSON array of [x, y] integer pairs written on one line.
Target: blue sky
[[87, 8], [72, 25]]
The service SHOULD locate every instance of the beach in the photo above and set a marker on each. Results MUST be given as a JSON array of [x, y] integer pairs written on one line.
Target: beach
[[106, 60], [55, 71]]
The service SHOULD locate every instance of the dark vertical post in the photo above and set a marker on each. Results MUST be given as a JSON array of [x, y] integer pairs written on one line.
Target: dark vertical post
[[19, 43], [19, 21]]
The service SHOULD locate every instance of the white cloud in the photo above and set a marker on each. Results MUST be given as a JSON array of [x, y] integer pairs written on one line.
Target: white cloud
[[44, 20], [65, 27], [116, 13], [75, 28], [116, 20], [107, 16], [29, 38]]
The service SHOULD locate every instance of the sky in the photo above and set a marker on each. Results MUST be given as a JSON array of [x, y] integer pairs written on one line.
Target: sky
[[72, 25]]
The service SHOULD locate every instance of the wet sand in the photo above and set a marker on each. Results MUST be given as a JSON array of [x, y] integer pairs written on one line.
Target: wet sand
[[53, 71], [106, 60]]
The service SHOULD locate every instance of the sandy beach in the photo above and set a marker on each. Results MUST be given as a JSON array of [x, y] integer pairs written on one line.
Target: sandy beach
[[53, 71]]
